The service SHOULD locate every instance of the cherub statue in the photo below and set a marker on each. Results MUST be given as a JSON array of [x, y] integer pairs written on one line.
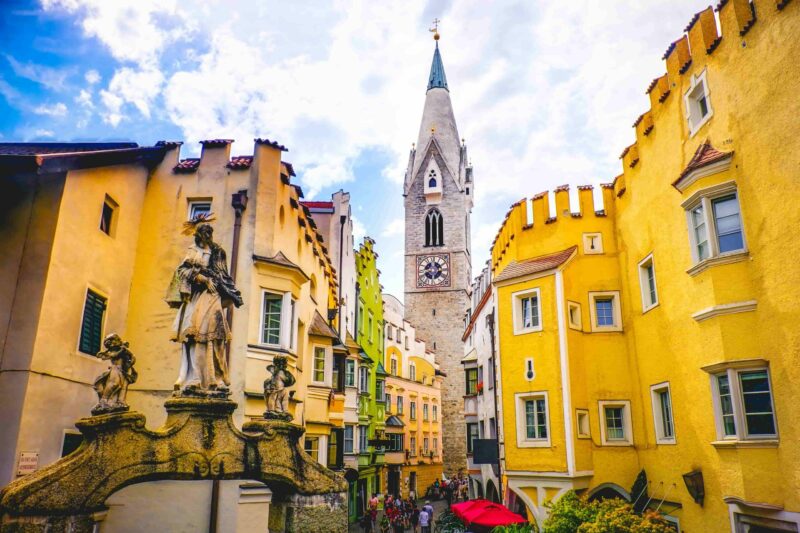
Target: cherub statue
[[275, 394], [112, 385]]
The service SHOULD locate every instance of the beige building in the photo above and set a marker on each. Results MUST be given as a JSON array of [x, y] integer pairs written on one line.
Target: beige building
[[413, 406], [94, 236]]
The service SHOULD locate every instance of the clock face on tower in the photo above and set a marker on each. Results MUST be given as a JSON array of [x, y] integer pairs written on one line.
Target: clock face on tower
[[433, 270]]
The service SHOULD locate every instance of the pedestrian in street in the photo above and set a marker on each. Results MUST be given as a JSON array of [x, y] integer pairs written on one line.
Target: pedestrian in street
[[373, 511], [414, 516], [425, 521], [366, 523], [428, 508]]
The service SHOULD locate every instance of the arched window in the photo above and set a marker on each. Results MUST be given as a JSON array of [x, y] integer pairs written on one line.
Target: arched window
[[434, 228], [432, 179]]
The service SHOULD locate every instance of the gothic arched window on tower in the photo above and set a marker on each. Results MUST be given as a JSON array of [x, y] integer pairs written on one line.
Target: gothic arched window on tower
[[434, 228], [432, 179]]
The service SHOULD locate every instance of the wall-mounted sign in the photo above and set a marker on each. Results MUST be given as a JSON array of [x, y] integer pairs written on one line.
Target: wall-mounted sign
[[28, 461]]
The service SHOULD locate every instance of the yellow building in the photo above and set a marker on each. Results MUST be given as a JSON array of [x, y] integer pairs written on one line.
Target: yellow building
[[413, 406], [657, 332], [96, 235]]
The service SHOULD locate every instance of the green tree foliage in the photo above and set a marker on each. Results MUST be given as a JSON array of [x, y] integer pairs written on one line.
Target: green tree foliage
[[575, 514], [516, 528]]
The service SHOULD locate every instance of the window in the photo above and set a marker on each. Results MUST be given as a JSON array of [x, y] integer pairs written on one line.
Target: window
[[425, 411], [197, 208], [434, 228], [94, 310], [647, 283], [399, 336], [380, 391], [472, 434], [615, 423], [527, 311], [432, 179], [715, 225], [399, 405], [491, 373], [361, 319], [107, 216], [425, 445], [371, 327], [435, 412], [363, 380], [605, 311], [413, 446], [319, 364], [697, 102], [388, 403], [363, 436], [472, 381], [582, 421], [312, 447], [413, 412], [574, 315], [397, 444], [532, 419], [393, 366], [388, 331], [406, 342], [662, 413], [435, 444], [350, 373], [271, 323], [348, 438], [333, 449], [412, 372], [743, 404]]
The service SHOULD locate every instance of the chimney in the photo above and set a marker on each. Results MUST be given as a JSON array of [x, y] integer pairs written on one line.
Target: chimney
[[216, 153]]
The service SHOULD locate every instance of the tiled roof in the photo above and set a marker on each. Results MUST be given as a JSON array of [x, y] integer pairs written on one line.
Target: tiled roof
[[289, 168], [216, 142], [274, 144], [169, 144], [704, 155], [535, 265], [320, 328], [187, 166], [311, 204], [240, 162], [60, 148]]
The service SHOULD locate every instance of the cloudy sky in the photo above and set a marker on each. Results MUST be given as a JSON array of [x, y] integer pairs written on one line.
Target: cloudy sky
[[544, 92]]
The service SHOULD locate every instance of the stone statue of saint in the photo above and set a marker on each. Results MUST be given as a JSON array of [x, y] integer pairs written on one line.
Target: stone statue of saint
[[201, 289], [112, 385], [275, 394]]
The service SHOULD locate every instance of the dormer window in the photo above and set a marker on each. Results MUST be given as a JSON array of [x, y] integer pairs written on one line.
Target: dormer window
[[432, 179]]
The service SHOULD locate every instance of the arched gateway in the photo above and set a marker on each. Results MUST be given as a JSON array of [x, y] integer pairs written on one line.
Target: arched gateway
[[198, 442]]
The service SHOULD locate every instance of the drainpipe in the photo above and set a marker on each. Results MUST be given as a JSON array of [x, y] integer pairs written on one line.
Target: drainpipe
[[342, 220], [490, 321], [239, 204]]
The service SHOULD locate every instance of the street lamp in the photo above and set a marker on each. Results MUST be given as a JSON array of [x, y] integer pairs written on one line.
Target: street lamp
[[694, 484]]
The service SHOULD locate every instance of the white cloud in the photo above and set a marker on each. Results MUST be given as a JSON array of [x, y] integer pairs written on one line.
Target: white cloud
[[54, 110], [84, 98], [52, 78], [544, 92], [43, 133], [395, 227], [92, 76], [359, 231]]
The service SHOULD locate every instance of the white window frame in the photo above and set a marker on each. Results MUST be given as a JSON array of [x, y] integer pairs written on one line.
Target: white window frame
[[412, 444], [615, 306], [522, 437], [327, 370], [425, 411], [353, 439], [644, 283], [705, 197], [194, 202], [574, 306], [363, 384], [658, 419], [435, 413], [732, 370], [287, 336], [583, 430], [350, 364], [399, 404], [412, 372], [412, 410], [363, 437], [393, 366], [516, 310], [691, 107], [627, 427]]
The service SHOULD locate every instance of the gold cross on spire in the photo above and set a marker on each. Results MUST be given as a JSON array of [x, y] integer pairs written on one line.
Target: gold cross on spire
[[435, 29]]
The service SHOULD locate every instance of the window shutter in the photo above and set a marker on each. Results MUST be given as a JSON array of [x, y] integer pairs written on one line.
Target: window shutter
[[92, 328]]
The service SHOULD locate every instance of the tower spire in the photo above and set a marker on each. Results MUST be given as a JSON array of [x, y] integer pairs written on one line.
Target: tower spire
[[437, 78]]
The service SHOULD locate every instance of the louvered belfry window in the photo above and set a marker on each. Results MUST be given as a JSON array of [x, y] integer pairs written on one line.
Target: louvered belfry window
[[92, 327]]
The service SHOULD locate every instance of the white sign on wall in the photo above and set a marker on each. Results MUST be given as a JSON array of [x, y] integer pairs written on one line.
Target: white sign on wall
[[28, 461]]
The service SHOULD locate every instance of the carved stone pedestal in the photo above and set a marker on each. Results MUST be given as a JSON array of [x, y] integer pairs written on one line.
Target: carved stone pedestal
[[198, 441]]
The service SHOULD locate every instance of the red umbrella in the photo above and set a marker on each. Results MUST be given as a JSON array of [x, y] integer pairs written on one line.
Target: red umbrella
[[459, 509], [491, 515]]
